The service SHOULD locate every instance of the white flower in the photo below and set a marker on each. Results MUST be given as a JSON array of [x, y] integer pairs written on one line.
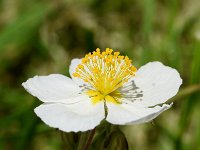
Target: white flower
[[104, 85]]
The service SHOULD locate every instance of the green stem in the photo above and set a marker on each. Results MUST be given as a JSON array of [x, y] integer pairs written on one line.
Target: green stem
[[83, 138], [67, 139], [89, 140]]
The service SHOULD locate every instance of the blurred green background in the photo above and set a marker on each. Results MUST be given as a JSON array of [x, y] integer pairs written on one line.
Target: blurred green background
[[40, 37]]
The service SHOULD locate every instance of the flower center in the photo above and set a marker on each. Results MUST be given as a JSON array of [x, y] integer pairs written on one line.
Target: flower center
[[106, 72]]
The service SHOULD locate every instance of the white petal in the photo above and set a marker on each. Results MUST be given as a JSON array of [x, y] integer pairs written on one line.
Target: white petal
[[81, 116], [158, 83], [74, 63], [52, 88], [132, 114]]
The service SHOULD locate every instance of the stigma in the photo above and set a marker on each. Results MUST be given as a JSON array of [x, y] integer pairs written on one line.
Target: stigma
[[106, 72]]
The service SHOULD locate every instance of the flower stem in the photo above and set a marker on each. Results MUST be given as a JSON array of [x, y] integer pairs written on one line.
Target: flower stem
[[83, 138], [89, 140], [67, 139]]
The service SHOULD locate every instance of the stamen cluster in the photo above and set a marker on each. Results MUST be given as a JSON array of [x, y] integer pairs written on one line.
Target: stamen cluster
[[105, 71]]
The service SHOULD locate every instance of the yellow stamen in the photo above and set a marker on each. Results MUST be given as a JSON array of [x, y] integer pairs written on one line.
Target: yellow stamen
[[92, 93], [105, 72], [111, 99], [97, 99]]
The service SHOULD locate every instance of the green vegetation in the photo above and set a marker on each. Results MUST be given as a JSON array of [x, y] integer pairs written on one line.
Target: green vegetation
[[40, 37]]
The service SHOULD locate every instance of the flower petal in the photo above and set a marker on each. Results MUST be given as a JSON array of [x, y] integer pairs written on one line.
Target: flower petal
[[132, 114], [74, 63], [52, 88], [157, 82], [81, 116]]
